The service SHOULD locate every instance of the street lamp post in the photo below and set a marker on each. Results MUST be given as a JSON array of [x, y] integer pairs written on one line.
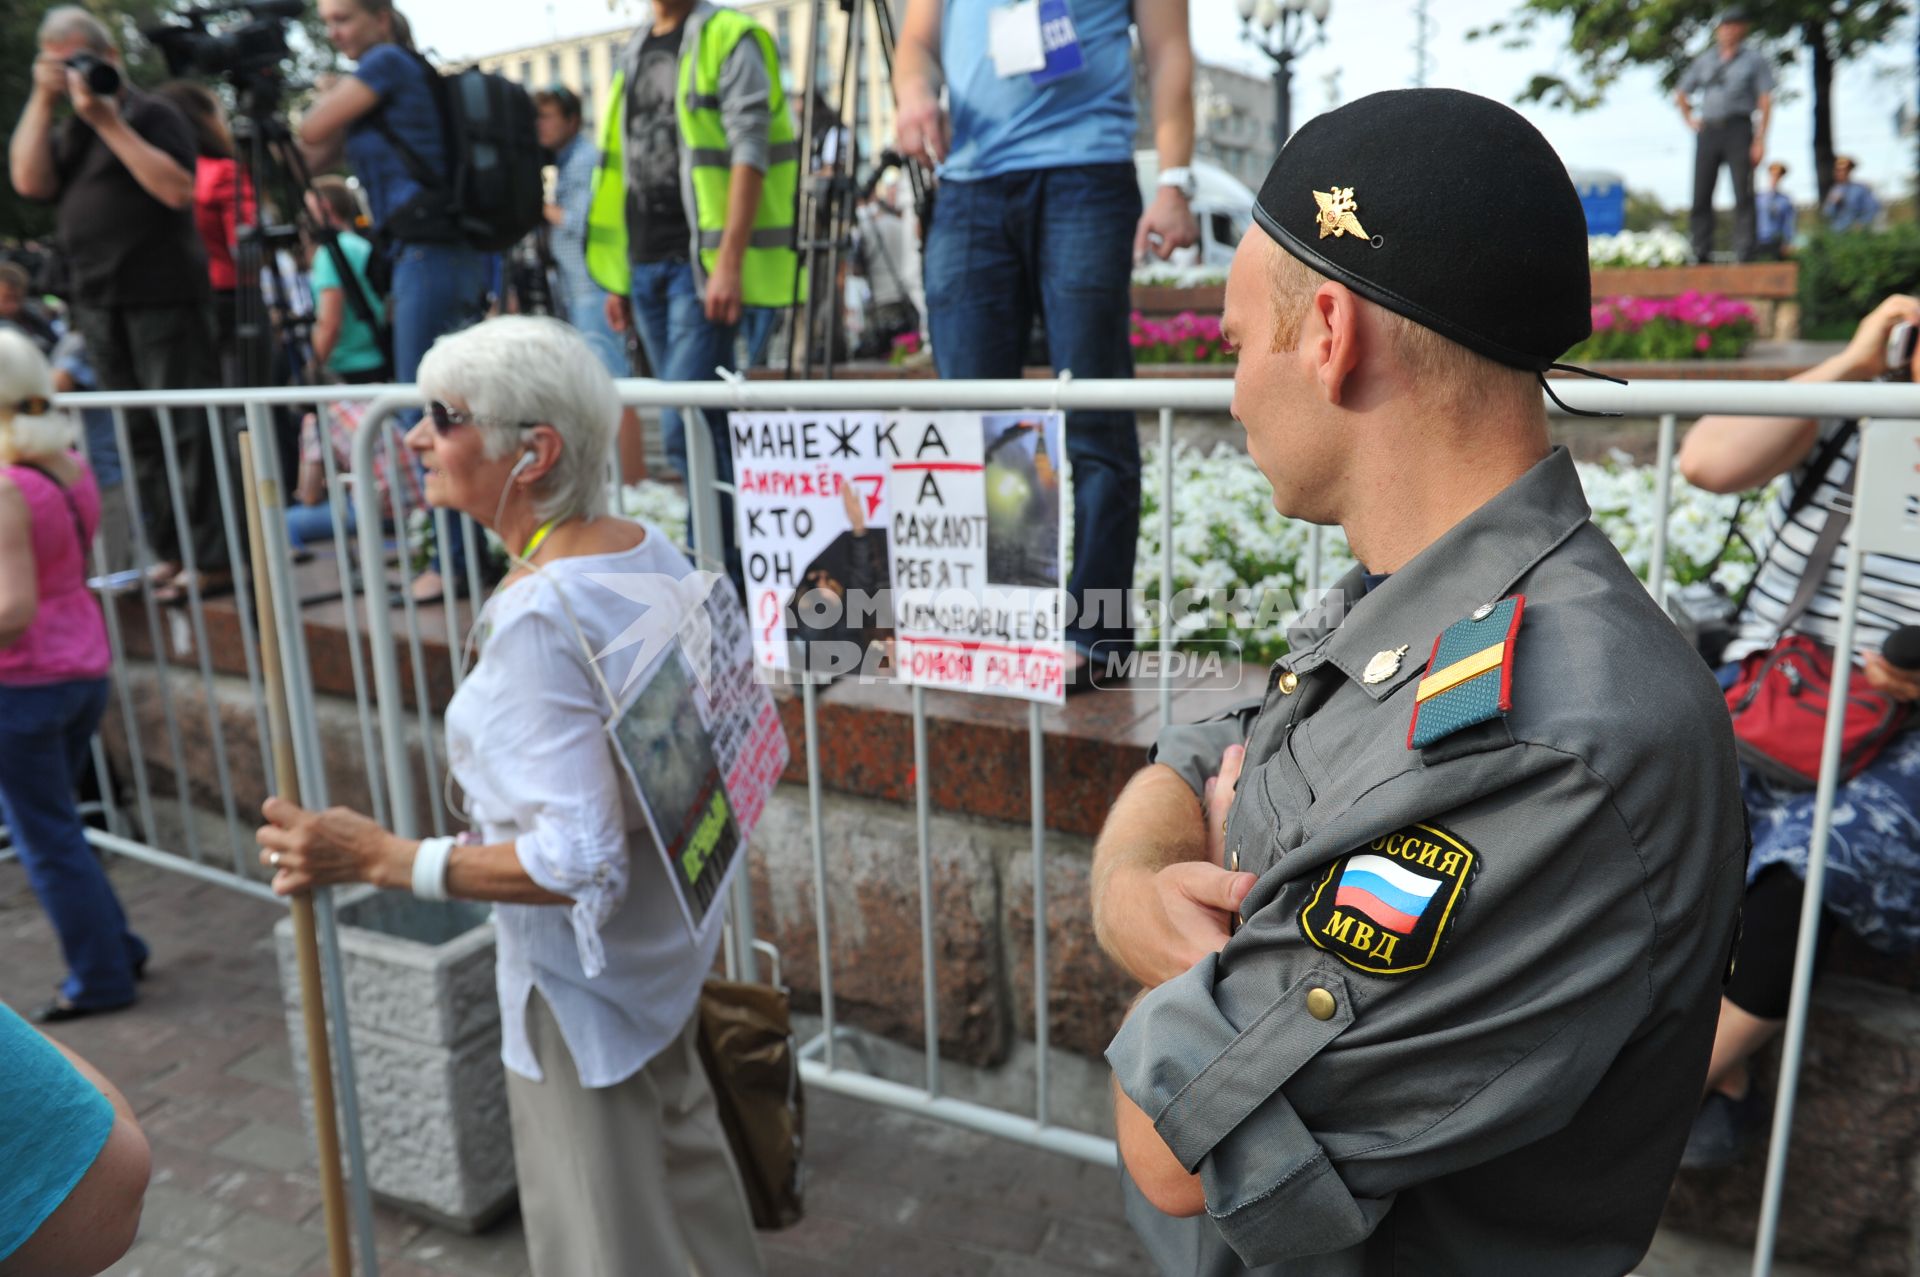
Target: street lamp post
[[1279, 29]]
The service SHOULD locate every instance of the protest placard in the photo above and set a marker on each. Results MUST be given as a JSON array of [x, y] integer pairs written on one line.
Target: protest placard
[[978, 547]]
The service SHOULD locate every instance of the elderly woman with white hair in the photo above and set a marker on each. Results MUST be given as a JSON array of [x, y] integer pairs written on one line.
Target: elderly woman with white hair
[[622, 1162], [53, 683]]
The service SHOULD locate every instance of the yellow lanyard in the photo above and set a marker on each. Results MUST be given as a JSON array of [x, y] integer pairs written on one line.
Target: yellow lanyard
[[540, 535]]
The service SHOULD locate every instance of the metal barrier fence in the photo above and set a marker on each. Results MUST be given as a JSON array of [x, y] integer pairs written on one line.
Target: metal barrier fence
[[379, 695]]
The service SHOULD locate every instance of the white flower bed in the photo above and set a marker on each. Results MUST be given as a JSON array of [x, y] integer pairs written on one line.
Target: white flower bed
[[1663, 247], [1250, 564]]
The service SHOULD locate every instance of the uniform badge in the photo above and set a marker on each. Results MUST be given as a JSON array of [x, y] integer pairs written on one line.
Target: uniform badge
[[1469, 677], [1384, 909], [1338, 213], [1384, 665]]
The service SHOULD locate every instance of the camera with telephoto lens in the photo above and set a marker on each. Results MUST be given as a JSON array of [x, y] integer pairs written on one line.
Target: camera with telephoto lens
[[1900, 344], [102, 77], [237, 52], [1704, 615]]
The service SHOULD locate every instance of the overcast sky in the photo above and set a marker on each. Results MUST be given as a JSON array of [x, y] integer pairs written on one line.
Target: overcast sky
[[1636, 133]]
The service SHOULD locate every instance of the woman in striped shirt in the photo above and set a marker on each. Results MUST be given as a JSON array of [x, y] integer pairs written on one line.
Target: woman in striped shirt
[[1873, 873]]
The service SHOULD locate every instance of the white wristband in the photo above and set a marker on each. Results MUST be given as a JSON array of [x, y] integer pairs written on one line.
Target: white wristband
[[430, 868]]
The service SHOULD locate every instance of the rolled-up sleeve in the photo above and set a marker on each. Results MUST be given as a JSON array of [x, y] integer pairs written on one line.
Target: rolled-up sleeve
[[549, 754], [746, 95], [1304, 1123], [1194, 749]]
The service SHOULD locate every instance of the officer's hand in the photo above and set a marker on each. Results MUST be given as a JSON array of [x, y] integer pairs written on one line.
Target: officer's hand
[[1866, 352], [1884, 676], [1158, 925], [616, 313], [1217, 801]]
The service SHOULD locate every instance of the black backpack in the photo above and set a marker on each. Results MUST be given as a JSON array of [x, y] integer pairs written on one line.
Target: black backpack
[[495, 196]]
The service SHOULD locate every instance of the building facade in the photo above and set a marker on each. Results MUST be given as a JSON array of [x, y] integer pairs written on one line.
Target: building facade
[[1233, 120]]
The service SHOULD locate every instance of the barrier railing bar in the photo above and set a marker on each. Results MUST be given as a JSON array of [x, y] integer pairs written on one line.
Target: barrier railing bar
[[423, 700], [373, 433], [337, 486], [923, 822], [1807, 940], [197, 616], [1166, 566], [176, 863], [136, 753], [1641, 398], [310, 764], [1042, 982], [109, 801], [242, 591], [162, 661], [961, 1113], [1663, 501], [471, 539], [809, 717], [449, 586]]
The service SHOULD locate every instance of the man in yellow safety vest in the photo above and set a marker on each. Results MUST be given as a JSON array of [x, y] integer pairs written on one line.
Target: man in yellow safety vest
[[691, 224]]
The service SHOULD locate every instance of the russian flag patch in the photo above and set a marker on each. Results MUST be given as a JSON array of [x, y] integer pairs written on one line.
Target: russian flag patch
[[1385, 908]]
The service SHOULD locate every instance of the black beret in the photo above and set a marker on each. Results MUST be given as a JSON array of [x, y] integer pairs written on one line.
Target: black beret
[[1444, 207]]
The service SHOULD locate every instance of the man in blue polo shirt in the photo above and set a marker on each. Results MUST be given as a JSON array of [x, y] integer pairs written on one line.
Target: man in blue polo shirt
[[1039, 211]]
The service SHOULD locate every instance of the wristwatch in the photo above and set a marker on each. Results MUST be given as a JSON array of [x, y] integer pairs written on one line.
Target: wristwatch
[[1181, 180]]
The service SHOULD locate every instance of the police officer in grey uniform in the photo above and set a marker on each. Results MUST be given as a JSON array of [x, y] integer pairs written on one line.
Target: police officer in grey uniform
[[1433, 935], [1732, 81]]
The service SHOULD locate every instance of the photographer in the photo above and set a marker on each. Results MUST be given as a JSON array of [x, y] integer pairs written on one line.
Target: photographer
[[385, 120], [1873, 871], [120, 172]]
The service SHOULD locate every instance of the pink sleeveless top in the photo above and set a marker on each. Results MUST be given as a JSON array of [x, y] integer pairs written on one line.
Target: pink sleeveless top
[[68, 637]]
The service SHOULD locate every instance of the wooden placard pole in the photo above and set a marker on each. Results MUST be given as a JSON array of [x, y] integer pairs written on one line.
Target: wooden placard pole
[[263, 497]]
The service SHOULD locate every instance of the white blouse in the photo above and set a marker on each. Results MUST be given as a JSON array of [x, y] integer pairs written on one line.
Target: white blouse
[[527, 744]]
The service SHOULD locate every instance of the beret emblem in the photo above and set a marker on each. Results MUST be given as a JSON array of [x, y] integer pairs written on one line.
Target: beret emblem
[[1338, 213]]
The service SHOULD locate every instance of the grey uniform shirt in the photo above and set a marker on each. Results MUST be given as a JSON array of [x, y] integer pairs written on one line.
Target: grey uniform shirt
[[1513, 1094], [1729, 88]]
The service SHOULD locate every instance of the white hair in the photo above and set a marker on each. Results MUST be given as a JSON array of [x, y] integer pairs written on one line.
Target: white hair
[[71, 22], [24, 374], [521, 370]]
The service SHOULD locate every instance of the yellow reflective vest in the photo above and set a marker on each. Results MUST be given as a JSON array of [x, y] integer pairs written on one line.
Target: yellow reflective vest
[[768, 273]]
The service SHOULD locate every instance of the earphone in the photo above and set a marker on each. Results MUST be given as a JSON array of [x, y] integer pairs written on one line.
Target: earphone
[[526, 459]]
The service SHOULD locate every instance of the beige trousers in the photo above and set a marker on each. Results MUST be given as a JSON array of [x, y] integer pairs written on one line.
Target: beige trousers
[[633, 1180]]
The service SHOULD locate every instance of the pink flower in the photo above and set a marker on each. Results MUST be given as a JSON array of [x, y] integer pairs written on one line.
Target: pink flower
[[1703, 343], [1602, 318]]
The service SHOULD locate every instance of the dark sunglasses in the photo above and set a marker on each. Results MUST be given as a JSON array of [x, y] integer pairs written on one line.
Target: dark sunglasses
[[32, 406], [445, 418]]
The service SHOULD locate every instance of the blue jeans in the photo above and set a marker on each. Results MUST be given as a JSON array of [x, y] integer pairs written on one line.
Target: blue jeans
[[437, 289], [683, 345], [307, 523], [1059, 241], [756, 329], [45, 732], [588, 315]]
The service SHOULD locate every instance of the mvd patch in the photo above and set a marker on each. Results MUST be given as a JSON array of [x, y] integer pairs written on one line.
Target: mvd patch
[[1385, 909]]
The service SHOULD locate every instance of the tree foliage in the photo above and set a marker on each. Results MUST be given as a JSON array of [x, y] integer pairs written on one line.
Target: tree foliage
[[1608, 37]]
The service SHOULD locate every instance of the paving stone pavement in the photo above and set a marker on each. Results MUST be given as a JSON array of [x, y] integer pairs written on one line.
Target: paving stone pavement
[[204, 1061]]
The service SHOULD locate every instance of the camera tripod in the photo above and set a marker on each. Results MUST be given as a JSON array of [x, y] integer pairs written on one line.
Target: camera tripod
[[825, 200]]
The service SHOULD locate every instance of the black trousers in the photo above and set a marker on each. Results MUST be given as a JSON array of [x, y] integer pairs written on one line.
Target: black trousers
[[165, 348], [1728, 142]]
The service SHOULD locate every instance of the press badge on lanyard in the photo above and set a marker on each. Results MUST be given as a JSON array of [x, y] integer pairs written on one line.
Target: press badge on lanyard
[[1034, 38]]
